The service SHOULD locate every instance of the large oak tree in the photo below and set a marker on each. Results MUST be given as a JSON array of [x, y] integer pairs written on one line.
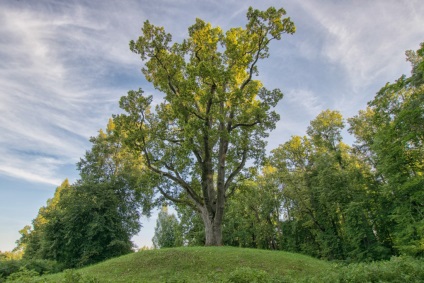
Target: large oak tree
[[214, 117]]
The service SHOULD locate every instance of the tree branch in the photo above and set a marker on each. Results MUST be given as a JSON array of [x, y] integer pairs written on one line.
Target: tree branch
[[196, 152], [237, 170], [176, 179], [245, 125], [260, 48], [232, 188], [197, 115], [176, 200], [171, 86], [174, 141]]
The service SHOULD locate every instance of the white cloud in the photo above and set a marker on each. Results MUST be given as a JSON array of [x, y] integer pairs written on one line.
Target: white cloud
[[368, 38], [304, 99], [61, 63], [52, 95], [37, 177]]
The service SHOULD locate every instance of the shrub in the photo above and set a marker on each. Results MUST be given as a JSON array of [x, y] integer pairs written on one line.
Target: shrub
[[8, 267], [397, 270], [39, 266], [248, 275], [43, 266], [24, 275]]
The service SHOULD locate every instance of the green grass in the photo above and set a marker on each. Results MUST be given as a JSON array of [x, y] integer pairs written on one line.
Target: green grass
[[229, 264], [201, 264]]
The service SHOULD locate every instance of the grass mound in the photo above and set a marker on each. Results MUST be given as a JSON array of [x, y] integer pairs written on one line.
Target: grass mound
[[229, 264], [200, 264]]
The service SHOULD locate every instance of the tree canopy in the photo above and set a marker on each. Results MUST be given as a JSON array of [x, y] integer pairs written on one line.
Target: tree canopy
[[214, 117]]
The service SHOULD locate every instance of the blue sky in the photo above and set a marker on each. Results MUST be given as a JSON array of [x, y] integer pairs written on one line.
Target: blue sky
[[65, 64]]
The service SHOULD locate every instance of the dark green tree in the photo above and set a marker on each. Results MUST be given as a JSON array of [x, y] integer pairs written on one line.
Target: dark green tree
[[390, 135], [34, 241], [88, 225], [95, 218]]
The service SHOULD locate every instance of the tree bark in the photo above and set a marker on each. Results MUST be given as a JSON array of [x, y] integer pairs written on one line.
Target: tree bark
[[213, 229]]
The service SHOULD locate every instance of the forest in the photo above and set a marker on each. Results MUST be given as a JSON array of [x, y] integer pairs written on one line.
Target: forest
[[202, 151]]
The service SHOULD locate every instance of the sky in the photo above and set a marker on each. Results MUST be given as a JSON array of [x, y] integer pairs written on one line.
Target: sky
[[65, 64]]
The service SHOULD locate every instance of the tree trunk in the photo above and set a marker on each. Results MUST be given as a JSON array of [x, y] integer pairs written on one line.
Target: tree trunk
[[213, 229]]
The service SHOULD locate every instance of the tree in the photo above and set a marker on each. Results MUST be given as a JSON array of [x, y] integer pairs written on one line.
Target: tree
[[89, 225], [329, 196], [22, 242], [215, 115], [390, 133], [110, 161], [253, 216], [167, 232], [33, 239], [191, 226], [95, 218], [82, 224]]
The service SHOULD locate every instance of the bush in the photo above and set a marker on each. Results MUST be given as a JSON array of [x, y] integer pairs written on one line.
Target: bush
[[248, 275], [8, 267], [43, 266], [23, 276], [397, 270], [39, 266]]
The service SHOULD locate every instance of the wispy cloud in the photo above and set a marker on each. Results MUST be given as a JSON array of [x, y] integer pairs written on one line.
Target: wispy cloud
[[54, 87], [367, 38], [64, 65], [39, 174], [304, 99]]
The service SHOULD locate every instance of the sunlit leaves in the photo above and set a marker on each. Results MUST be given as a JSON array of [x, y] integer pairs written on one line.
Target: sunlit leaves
[[214, 116]]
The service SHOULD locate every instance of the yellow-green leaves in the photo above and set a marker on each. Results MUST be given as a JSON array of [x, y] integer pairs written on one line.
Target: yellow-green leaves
[[270, 21], [326, 129], [214, 116]]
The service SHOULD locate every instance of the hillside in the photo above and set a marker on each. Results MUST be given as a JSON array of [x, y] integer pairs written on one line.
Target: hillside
[[200, 264]]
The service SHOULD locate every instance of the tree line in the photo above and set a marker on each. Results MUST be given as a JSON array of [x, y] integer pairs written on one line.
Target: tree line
[[313, 194]]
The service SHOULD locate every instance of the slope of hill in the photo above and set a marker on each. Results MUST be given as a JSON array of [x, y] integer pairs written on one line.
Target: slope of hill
[[200, 264]]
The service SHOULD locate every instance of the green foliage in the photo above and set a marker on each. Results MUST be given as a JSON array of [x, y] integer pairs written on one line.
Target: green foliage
[[214, 117], [8, 267], [191, 226], [253, 214], [87, 227], [27, 268], [167, 231], [110, 161], [95, 218], [390, 136], [328, 195], [24, 275], [16, 254], [398, 269]]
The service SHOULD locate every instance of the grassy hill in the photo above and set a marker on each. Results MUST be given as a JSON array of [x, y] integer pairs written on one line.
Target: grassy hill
[[200, 264], [229, 264]]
